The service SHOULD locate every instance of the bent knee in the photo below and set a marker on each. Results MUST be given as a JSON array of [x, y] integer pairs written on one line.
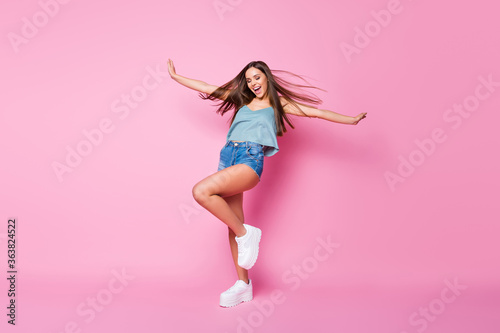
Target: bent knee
[[200, 193], [197, 193]]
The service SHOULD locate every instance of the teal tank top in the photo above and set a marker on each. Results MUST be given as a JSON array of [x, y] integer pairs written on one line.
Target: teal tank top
[[257, 126]]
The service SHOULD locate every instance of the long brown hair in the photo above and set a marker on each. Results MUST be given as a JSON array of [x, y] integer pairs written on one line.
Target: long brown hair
[[241, 95]]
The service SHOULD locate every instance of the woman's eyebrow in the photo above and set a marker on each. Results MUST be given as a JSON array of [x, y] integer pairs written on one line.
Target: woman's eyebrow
[[254, 75]]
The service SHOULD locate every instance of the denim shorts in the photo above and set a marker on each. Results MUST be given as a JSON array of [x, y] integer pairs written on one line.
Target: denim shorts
[[247, 152]]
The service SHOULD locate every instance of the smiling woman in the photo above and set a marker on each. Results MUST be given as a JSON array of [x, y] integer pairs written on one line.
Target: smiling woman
[[259, 87], [262, 102], [256, 81]]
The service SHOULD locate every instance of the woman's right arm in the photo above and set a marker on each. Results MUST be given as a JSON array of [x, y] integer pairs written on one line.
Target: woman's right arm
[[197, 85]]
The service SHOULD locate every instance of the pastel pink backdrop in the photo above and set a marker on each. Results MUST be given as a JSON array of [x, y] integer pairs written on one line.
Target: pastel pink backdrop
[[128, 204]]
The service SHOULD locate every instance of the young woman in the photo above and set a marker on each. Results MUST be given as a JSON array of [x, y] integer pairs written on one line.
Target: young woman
[[261, 101]]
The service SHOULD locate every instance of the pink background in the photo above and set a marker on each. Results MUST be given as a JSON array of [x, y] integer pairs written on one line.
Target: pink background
[[128, 204]]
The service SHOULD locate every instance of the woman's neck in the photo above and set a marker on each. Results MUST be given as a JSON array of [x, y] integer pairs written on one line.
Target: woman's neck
[[264, 101]]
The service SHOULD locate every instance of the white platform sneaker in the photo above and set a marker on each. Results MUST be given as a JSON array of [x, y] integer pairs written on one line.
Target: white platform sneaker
[[239, 292], [248, 246]]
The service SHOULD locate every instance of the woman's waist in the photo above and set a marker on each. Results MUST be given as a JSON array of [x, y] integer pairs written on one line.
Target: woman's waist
[[237, 143]]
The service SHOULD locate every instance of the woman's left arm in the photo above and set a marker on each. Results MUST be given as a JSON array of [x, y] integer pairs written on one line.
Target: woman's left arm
[[309, 111]]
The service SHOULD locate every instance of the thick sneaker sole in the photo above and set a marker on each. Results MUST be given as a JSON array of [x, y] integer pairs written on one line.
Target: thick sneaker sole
[[233, 301], [253, 258]]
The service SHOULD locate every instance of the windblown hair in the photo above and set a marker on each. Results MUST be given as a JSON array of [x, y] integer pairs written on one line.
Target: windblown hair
[[240, 94]]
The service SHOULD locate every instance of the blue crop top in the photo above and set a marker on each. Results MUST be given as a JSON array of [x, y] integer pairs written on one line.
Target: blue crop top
[[257, 126]]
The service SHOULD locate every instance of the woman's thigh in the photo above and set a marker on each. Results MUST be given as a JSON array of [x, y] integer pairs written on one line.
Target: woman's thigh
[[232, 180]]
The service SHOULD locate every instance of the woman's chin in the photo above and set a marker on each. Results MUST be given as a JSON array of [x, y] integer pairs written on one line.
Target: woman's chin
[[260, 95]]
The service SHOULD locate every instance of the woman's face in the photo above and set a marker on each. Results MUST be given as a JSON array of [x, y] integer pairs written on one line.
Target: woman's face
[[257, 82]]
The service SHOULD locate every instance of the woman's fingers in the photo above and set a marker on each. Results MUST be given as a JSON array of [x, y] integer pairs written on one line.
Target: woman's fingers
[[359, 117], [171, 68]]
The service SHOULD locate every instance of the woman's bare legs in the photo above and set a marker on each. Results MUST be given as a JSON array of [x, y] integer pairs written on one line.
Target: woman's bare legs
[[235, 202], [222, 195], [209, 193]]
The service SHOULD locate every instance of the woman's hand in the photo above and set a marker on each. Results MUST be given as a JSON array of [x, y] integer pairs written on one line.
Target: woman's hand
[[171, 68], [359, 117], [197, 85]]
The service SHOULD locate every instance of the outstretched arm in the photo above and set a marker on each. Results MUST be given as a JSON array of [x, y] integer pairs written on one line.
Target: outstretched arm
[[309, 111], [197, 85]]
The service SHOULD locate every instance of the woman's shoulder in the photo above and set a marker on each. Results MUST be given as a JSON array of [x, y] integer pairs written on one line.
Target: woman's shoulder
[[283, 101]]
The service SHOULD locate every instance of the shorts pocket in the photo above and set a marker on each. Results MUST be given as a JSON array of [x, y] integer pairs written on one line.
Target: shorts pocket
[[255, 152]]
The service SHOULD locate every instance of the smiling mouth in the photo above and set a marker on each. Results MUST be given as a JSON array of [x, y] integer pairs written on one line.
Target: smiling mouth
[[257, 90]]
